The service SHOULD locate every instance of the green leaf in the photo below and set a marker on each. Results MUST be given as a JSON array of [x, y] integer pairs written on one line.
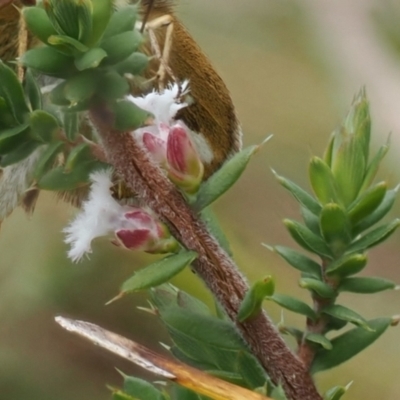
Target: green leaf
[[277, 393], [78, 155], [67, 42], [49, 61], [120, 395], [224, 178], [319, 339], [140, 389], [71, 125], [122, 20], [32, 91], [11, 90], [367, 203], [307, 239], [20, 153], [249, 368], [385, 206], [299, 261], [38, 23], [159, 272], [58, 179], [345, 314], [214, 228], [349, 264], [135, 64], [293, 304], [322, 181], [182, 393], [112, 86], [374, 237], [6, 118], [311, 220], [80, 87], [349, 344], [121, 46], [101, 14], [128, 116], [251, 305], [47, 159], [374, 166], [44, 126], [319, 287], [90, 59], [335, 393], [305, 199], [335, 227], [348, 167], [13, 137], [366, 285]]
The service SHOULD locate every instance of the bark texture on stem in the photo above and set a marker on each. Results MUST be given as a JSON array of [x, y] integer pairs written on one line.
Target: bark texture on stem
[[213, 265]]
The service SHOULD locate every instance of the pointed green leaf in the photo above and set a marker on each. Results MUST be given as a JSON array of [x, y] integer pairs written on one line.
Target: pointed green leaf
[[128, 116], [307, 239], [80, 87], [23, 151], [44, 126], [344, 313], [47, 159], [71, 125], [251, 305], [121, 46], [349, 264], [374, 166], [32, 91], [139, 388], [366, 285], [349, 344], [322, 181], [385, 206], [335, 227], [67, 42], [319, 339], [79, 154], [159, 272], [299, 261], [112, 86], [11, 139], [224, 178], [367, 203], [311, 220], [335, 393], [49, 61], [293, 304], [38, 23], [122, 20], [135, 64], [11, 90], [374, 237], [319, 287], [305, 199], [182, 393], [90, 59], [120, 395], [101, 14]]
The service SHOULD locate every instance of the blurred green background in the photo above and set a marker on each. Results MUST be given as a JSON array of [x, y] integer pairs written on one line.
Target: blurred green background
[[292, 68]]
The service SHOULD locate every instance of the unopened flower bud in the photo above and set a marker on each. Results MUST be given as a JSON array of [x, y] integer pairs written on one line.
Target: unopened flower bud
[[185, 167]]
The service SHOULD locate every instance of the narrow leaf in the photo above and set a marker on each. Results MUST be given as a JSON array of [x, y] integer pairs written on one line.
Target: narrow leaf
[[304, 198], [319, 339], [293, 304], [159, 272], [299, 261], [90, 59], [44, 126], [349, 344], [224, 178], [346, 265], [374, 237], [319, 287], [322, 181], [307, 239], [32, 91], [344, 313], [366, 285]]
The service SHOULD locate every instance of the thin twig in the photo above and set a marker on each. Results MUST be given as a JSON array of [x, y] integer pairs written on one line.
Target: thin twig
[[213, 265]]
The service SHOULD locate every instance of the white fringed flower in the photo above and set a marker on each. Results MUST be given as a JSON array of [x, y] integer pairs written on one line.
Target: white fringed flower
[[97, 217]]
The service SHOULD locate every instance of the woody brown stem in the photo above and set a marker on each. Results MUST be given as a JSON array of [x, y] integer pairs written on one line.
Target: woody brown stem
[[213, 265]]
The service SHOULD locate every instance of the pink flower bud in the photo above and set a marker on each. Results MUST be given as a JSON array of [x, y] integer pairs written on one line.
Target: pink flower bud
[[156, 146], [142, 231], [185, 168]]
